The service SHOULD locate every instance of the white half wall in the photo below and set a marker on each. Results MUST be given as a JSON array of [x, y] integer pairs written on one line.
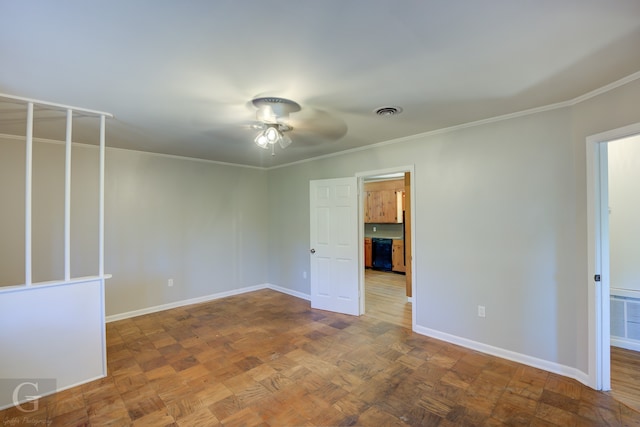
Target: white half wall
[[70, 350]]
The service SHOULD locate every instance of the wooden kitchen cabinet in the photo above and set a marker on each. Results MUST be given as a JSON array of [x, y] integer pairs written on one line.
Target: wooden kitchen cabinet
[[384, 202], [397, 256], [368, 259], [381, 206]]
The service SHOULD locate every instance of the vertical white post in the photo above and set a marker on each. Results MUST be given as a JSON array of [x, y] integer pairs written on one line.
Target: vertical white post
[[101, 207], [67, 199], [605, 274], [27, 196]]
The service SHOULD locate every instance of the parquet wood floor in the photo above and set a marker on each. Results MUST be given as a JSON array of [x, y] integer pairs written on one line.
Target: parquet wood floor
[[385, 298], [268, 359]]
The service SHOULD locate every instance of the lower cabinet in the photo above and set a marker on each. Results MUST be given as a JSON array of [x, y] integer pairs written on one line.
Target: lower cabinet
[[397, 256]]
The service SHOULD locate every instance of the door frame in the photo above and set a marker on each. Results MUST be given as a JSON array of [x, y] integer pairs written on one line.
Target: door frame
[[361, 177], [598, 254]]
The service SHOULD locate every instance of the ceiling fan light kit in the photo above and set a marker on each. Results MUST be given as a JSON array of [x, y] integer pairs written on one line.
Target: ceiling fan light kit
[[272, 134], [270, 115]]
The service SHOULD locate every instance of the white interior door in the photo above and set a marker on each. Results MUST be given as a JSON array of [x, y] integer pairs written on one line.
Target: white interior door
[[334, 245]]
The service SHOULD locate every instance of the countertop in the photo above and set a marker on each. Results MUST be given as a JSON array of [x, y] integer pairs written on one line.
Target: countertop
[[382, 235]]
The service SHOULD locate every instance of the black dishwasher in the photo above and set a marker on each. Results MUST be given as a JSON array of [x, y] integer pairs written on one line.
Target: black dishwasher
[[381, 254]]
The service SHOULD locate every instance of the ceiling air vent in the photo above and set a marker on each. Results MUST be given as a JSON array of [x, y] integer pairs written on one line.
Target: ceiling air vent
[[388, 111]]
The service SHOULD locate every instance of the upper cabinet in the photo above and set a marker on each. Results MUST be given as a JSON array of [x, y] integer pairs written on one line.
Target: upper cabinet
[[384, 201]]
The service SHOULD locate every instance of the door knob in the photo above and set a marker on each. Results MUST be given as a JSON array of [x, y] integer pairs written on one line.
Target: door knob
[[313, 251]]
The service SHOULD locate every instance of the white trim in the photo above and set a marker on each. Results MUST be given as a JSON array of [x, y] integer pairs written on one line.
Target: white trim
[[195, 159], [593, 265], [67, 197], [563, 104], [52, 283], [386, 171], [101, 172], [55, 105], [103, 329], [170, 156], [630, 293], [604, 286], [625, 343], [287, 291], [182, 303], [606, 88], [28, 194], [614, 134], [205, 298], [598, 298], [546, 365], [415, 137]]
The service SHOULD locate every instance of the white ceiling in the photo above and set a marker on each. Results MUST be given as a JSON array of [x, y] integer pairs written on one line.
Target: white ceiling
[[178, 75]]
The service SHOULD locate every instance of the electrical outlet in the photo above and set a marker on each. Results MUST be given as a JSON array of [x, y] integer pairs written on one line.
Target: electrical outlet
[[170, 282], [304, 274], [375, 229], [481, 311]]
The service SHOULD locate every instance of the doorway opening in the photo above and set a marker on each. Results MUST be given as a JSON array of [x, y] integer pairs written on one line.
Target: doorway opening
[[386, 236], [613, 164]]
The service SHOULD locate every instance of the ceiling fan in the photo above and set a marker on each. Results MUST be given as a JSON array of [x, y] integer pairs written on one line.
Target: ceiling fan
[[278, 119], [272, 115]]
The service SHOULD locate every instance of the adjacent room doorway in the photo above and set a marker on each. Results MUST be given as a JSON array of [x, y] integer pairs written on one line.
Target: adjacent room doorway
[[612, 296], [387, 289]]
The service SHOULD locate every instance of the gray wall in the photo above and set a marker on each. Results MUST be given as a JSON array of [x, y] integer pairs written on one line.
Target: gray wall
[[500, 221], [12, 167], [202, 224]]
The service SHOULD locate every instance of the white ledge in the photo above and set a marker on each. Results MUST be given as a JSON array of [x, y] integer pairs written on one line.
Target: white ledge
[[629, 293], [52, 283]]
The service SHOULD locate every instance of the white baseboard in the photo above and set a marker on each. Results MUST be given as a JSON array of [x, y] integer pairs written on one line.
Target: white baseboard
[[556, 368], [182, 303], [625, 343], [206, 298], [289, 292]]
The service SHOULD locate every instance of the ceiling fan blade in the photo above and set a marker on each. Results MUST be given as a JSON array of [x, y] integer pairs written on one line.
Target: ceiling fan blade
[[318, 122]]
